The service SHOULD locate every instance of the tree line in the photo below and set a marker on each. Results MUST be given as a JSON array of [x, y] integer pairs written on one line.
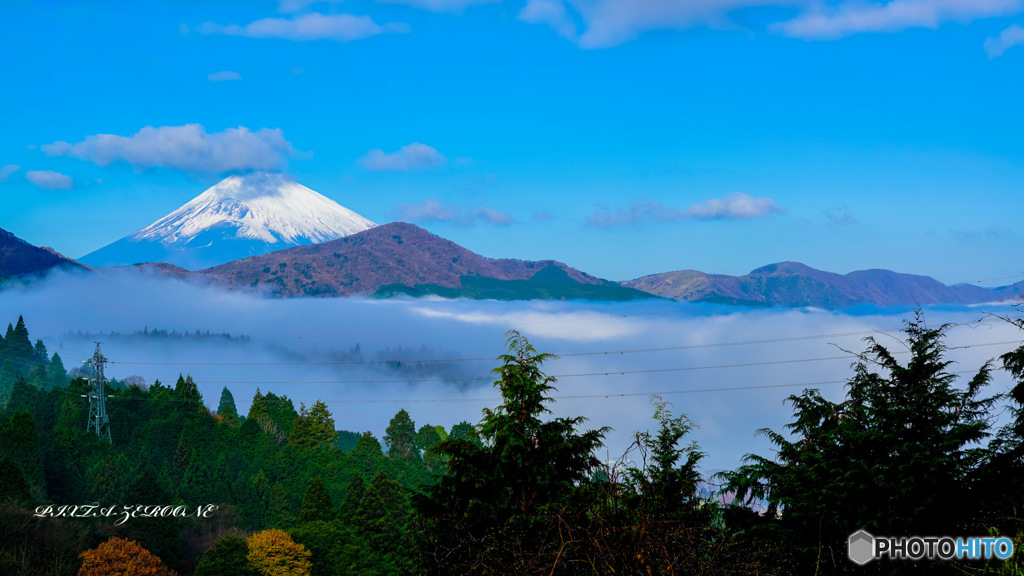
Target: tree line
[[911, 450]]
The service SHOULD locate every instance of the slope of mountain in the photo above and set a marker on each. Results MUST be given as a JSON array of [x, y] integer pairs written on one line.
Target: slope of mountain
[[19, 259], [400, 258], [240, 216], [794, 284]]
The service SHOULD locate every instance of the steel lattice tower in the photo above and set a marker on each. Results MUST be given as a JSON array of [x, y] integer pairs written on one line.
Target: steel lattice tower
[[98, 418]]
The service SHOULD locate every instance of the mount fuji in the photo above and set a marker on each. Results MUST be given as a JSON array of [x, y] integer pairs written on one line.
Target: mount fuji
[[240, 216]]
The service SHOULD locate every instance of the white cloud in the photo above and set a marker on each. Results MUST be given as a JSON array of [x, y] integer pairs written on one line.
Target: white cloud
[[49, 180], [315, 26], [431, 210], [552, 13], [413, 156], [638, 212], [6, 171], [607, 23], [224, 76], [855, 17], [1012, 36], [734, 206], [189, 148], [440, 5]]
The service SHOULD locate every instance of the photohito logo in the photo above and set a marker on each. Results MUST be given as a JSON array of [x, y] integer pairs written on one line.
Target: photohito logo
[[862, 547]]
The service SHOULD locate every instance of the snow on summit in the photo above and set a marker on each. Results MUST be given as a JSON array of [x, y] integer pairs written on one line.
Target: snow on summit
[[240, 216]]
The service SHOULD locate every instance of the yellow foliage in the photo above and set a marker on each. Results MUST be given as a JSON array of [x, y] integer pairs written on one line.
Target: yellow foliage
[[274, 553]]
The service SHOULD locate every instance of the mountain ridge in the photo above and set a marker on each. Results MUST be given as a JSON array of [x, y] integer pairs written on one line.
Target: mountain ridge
[[794, 284], [397, 255], [19, 259]]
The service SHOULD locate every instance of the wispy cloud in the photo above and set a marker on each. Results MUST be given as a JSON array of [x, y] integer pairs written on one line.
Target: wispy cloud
[[314, 26], [7, 170], [432, 210], [607, 23], [1012, 36], [440, 5], [224, 76], [733, 207], [49, 180], [840, 216], [848, 18], [637, 212], [411, 157], [189, 148]]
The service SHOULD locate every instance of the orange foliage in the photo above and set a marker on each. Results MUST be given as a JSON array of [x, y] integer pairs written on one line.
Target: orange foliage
[[120, 557], [274, 553]]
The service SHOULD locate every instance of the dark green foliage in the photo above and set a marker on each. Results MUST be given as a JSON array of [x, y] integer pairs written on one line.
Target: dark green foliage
[[346, 440], [20, 444], [312, 427], [498, 508], [325, 541], [353, 494], [226, 558], [58, 376], [226, 407], [186, 389], [13, 486], [317, 504], [896, 457], [382, 545], [465, 431], [400, 436], [550, 288]]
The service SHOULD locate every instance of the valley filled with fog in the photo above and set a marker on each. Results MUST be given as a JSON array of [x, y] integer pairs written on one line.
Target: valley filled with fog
[[729, 368]]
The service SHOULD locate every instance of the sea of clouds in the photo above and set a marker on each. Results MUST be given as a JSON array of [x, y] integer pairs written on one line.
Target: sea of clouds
[[728, 368]]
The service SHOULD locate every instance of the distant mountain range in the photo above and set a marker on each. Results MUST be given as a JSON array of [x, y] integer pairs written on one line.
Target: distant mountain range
[[19, 259], [238, 217], [232, 236], [794, 284]]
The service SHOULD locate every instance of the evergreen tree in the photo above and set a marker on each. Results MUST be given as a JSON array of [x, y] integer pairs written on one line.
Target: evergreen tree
[[39, 353], [499, 508], [228, 557], [317, 504], [383, 544], [20, 443], [12, 483], [56, 374], [312, 427], [897, 456], [353, 494], [400, 436], [226, 408]]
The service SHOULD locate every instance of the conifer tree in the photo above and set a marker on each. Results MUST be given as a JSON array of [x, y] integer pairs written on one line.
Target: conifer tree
[[226, 408], [499, 508], [317, 503], [400, 436]]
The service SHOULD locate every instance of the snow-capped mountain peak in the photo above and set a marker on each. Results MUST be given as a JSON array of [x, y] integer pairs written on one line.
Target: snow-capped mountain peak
[[238, 217], [262, 206]]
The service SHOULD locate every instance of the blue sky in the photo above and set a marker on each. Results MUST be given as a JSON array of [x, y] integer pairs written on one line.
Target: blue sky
[[624, 137]]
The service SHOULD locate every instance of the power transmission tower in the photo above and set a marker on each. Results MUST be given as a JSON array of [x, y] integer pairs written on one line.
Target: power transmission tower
[[98, 418]]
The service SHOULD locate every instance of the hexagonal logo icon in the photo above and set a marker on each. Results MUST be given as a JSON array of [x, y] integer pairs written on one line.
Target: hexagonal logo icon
[[861, 547]]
